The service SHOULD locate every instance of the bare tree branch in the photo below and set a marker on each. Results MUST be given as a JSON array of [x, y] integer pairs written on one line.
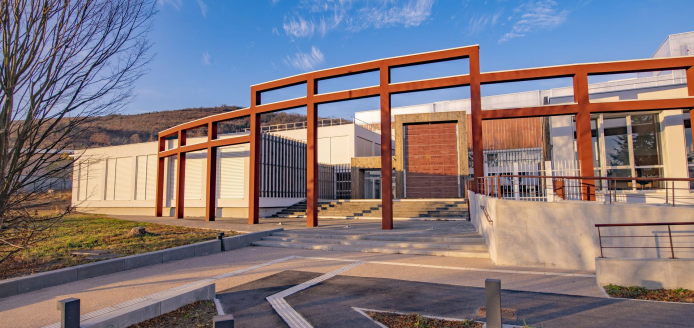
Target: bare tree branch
[[64, 62]]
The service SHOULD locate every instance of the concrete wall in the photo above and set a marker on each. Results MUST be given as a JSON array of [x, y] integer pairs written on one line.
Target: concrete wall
[[563, 234], [649, 273]]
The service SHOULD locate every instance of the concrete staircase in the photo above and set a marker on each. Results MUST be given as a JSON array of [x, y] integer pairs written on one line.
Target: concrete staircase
[[412, 209], [469, 245]]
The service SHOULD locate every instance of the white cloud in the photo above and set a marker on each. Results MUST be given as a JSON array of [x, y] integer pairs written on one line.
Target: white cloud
[[479, 22], [306, 61], [297, 27], [173, 3], [275, 31], [535, 15], [206, 59], [203, 8], [356, 15]]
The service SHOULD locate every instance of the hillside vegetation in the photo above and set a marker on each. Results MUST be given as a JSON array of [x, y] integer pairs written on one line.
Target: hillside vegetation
[[115, 130]]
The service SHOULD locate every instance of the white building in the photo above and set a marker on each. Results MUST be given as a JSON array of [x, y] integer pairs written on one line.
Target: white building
[[122, 179]]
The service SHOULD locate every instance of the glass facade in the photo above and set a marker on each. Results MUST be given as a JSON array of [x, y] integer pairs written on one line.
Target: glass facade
[[627, 146]]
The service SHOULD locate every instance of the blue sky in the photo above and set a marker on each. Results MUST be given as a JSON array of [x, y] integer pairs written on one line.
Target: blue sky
[[209, 52]]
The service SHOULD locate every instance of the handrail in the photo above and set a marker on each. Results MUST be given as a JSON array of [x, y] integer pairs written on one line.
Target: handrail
[[540, 188], [489, 219], [669, 231]]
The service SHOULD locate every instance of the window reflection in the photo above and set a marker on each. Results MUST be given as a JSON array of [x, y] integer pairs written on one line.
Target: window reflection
[[616, 141], [645, 138]]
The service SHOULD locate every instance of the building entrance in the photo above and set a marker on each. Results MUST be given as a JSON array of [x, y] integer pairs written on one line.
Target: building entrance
[[372, 184]]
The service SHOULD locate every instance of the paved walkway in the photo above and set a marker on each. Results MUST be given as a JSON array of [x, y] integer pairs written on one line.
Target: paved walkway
[[38, 308], [331, 304], [335, 226]]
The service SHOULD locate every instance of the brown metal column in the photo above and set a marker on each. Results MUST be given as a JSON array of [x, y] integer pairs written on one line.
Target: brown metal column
[[254, 178], [690, 81], [476, 116], [584, 139], [386, 152], [159, 200], [211, 189], [180, 175], [311, 156]]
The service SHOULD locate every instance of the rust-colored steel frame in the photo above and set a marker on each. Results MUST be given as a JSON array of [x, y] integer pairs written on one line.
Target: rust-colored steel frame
[[582, 108]]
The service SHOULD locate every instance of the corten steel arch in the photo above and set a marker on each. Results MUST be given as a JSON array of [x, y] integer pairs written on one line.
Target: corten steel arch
[[581, 107]]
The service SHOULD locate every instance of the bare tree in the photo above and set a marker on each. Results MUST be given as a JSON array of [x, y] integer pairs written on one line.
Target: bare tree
[[64, 63]]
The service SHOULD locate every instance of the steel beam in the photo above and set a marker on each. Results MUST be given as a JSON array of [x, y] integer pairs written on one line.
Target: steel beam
[[254, 178], [584, 139], [582, 108], [181, 176], [386, 153], [211, 187], [311, 157], [476, 116], [159, 199]]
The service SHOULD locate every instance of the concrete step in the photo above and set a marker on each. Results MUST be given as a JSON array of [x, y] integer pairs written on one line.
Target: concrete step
[[471, 237], [369, 249], [472, 247]]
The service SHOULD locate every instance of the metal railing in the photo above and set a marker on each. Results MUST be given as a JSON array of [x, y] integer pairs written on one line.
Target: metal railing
[[321, 123], [669, 230], [670, 191]]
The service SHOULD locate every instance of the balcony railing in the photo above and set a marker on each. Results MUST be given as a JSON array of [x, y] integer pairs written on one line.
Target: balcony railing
[[672, 246], [669, 191]]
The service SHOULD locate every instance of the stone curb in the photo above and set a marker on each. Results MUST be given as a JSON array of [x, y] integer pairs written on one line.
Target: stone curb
[[138, 310], [21, 285]]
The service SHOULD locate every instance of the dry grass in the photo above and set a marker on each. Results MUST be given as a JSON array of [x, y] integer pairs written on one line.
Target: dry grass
[[394, 320], [194, 315], [96, 232], [666, 295]]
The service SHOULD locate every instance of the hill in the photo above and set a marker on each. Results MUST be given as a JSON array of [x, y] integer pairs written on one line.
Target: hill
[[115, 130]]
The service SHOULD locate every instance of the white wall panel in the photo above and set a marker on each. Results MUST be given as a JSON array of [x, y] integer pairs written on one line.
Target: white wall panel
[[83, 174], [141, 178], [94, 178], [151, 184], [231, 170], [339, 150], [124, 166], [195, 163], [324, 150], [171, 177], [110, 179]]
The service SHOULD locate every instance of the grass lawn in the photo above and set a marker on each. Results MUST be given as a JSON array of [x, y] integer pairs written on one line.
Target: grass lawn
[[666, 295], [79, 232], [197, 315]]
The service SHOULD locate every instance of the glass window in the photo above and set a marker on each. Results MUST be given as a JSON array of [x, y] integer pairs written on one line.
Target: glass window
[[620, 173], [596, 144], [644, 133], [616, 142], [627, 147]]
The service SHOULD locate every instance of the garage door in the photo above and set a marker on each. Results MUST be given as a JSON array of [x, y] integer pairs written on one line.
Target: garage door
[[431, 160]]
